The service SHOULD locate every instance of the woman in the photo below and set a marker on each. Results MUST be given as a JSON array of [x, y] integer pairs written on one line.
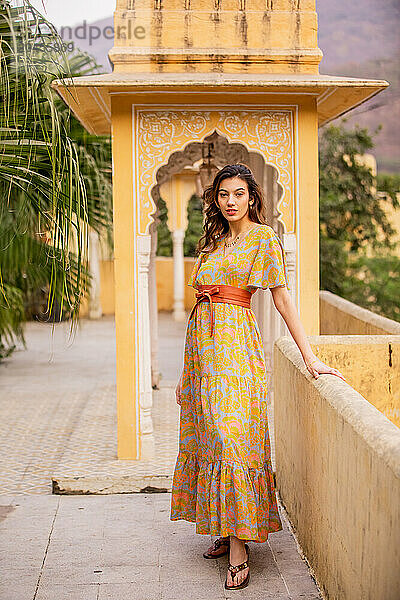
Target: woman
[[223, 477]]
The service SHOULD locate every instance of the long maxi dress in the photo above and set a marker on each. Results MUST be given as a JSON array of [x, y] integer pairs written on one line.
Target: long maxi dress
[[223, 478]]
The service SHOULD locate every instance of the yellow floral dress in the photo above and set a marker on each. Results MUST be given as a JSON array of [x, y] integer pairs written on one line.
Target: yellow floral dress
[[223, 475]]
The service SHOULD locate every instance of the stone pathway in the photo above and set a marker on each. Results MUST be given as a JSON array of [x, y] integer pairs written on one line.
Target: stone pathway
[[123, 547], [67, 433], [57, 416], [58, 412], [43, 394]]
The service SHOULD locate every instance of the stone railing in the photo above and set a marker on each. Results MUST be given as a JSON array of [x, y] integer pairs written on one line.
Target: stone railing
[[341, 317], [338, 476]]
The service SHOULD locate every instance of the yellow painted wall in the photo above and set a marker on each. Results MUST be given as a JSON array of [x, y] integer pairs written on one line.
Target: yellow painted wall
[[84, 308], [107, 297], [165, 283], [371, 367], [275, 37], [107, 290], [164, 279], [393, 215], [370, 364], [338, 476]]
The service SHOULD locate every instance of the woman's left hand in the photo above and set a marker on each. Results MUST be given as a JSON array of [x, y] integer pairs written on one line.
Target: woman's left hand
[[316, 367]]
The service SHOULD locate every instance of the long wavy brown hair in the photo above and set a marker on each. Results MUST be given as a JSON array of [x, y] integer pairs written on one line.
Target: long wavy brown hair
[[215, 225]]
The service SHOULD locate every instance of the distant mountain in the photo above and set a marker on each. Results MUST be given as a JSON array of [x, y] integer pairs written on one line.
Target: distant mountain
[[93, 38], [358, 39], [357, 31], [361, 39], [381, 111]]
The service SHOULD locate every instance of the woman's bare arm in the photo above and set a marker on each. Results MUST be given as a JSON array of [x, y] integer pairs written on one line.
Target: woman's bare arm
[[284, 305]]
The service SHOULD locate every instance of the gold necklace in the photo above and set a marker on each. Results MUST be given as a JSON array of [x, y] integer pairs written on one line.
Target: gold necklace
[[230, 244]]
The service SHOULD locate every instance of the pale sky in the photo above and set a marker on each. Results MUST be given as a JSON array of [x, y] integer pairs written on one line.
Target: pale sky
[[73, 12]]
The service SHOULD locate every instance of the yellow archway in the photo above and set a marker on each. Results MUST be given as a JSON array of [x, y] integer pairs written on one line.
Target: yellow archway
[[160, 131]]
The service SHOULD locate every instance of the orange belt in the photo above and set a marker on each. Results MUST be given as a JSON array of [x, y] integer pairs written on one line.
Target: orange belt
[[221, 293]]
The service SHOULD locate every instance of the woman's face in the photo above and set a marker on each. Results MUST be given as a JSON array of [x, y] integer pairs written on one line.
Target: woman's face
[[233, 199]]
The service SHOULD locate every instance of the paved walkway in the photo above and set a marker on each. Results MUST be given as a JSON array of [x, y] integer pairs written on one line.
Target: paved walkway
[[123, 547], [43, 393], [58, 409], [57, 414]]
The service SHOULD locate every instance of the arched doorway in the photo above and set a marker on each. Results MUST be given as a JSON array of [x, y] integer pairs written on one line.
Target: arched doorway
[[187, 162]]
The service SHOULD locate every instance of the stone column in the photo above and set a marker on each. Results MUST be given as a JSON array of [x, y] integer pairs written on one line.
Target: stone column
[[95, 310], [144, 348], [179, 275], [270, 322], [155, 371], [289, 244], [176, 192]]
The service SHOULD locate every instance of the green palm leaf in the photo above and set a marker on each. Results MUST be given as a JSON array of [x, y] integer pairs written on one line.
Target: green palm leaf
[[55, 179]]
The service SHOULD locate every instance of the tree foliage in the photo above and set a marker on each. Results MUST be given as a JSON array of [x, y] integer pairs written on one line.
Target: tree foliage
[[193, 230], [54, 177], [164, 238], [350, 210], [356, 236], [375, 284], [195, 225]]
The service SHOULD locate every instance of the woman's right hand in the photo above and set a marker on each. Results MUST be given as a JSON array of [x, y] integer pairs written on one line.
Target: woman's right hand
[[178, 391]]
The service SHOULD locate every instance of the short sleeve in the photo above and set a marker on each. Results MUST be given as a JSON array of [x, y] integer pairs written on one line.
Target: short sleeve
[[268, 269], [196, 266]]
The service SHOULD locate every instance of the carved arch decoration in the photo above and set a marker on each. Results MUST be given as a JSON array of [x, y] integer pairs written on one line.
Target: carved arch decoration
[[161, 132], [223, 153]]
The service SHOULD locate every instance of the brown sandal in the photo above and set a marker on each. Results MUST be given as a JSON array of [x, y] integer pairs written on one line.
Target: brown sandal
[[234, 569], [217, 544]]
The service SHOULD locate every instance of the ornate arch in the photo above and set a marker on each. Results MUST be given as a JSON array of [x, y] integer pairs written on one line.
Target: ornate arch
[[162, 131], [223, 153]]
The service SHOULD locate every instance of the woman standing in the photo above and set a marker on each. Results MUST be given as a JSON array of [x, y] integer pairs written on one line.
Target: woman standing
[[223, 477]]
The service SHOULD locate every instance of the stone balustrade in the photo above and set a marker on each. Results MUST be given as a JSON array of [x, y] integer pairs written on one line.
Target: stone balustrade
[[338, 476]]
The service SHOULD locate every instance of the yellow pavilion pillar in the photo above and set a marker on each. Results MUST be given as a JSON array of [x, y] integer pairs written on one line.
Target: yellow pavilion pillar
[[131, 265], [307, 217]]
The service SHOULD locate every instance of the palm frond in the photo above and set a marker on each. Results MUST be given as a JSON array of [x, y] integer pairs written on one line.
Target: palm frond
[[55, 180]]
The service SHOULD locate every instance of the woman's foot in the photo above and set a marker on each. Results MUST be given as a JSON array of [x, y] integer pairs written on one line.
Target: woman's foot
[[219, 548], [238, 557]]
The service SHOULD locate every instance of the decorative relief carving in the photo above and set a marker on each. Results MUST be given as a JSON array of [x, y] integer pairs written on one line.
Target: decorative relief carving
[[161, 132]]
